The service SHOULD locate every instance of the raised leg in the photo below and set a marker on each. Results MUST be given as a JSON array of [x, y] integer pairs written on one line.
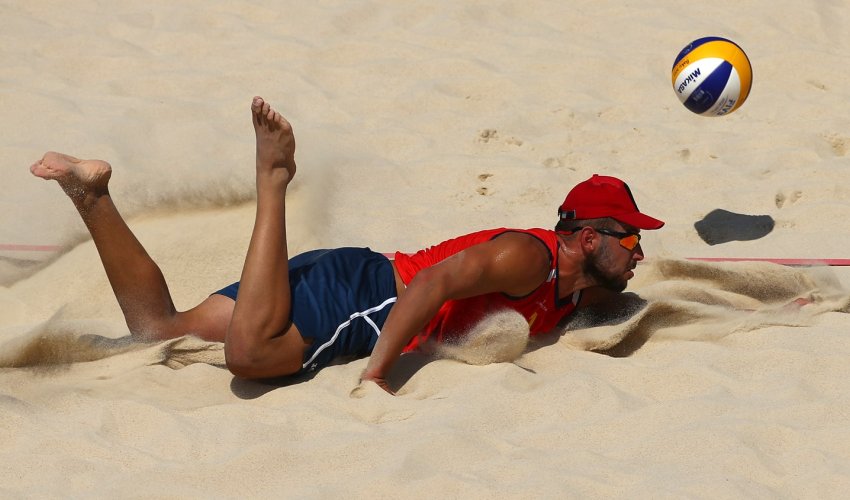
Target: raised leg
[[136, 280], [261, 340]]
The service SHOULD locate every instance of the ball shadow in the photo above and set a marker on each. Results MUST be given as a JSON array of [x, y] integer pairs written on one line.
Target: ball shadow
[[721, 226]]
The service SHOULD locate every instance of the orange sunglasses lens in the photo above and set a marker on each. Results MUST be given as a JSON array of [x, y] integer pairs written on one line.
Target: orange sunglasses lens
[[630, 242]]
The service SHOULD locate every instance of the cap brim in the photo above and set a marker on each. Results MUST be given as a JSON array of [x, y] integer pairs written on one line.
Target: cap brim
[[639, 220]]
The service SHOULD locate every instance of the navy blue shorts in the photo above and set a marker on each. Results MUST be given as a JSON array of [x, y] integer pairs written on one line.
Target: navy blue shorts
[[340, 299]]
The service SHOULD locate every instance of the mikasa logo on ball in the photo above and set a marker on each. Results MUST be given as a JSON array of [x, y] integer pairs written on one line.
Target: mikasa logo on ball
[[712, 76], [693, 76]]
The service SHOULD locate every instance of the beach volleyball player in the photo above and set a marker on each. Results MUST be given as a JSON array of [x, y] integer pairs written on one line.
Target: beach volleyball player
[[289, 315]]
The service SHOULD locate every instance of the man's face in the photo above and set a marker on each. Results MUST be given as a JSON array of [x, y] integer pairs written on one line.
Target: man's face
[[612, 264]]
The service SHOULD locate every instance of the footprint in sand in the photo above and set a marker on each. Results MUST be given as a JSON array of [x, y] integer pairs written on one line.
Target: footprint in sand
[[793, 197], [483, 190], [552, 162], [840, 145], [816, 84], [489, 135]]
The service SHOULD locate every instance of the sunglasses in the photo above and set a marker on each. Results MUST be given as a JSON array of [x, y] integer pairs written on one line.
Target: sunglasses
[[629, 241]]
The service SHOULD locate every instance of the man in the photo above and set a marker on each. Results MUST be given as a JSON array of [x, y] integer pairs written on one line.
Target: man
[[289, 316]]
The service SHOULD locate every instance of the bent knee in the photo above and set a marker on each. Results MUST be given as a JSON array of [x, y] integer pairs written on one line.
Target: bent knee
[[244, 362], [260, 361], [243, 369]]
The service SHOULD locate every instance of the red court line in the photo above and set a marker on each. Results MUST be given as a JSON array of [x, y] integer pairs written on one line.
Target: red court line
[[783, 261], [14, 247]]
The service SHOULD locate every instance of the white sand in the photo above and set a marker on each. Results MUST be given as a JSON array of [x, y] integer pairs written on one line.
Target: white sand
[[417, 122]]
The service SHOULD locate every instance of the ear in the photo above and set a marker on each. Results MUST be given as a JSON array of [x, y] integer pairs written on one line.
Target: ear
[[587, 239]]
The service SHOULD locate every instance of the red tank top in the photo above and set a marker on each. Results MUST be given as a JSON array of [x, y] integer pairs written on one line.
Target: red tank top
[[541, 308]]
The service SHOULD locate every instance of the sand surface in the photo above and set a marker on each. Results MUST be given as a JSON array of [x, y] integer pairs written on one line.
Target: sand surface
[[417, 122]]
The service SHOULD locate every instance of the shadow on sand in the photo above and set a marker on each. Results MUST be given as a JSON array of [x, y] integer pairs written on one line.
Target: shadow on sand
[[721, 226]]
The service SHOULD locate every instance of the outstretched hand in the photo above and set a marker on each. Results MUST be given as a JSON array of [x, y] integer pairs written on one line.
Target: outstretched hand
[[380, 381]]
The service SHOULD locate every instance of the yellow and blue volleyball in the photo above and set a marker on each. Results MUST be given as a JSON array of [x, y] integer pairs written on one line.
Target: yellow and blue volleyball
[[712, 76]]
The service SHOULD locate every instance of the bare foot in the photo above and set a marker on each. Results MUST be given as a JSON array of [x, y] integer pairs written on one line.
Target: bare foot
[[78, 178], [275, 140]]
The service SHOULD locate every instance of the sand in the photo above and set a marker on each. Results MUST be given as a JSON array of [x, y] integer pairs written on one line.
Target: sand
[[415, 123]]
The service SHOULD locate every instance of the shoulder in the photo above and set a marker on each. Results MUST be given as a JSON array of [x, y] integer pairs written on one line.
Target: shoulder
[[509, 262], [525, 245], [520, 259]]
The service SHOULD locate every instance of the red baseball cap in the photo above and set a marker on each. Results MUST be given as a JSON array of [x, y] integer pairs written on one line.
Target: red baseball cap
[[604, 196]]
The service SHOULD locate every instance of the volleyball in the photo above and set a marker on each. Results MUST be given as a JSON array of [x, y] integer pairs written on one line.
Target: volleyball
[[712, 76]]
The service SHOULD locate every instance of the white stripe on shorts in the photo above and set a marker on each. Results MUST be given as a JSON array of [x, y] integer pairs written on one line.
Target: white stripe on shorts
[[364, 315]]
